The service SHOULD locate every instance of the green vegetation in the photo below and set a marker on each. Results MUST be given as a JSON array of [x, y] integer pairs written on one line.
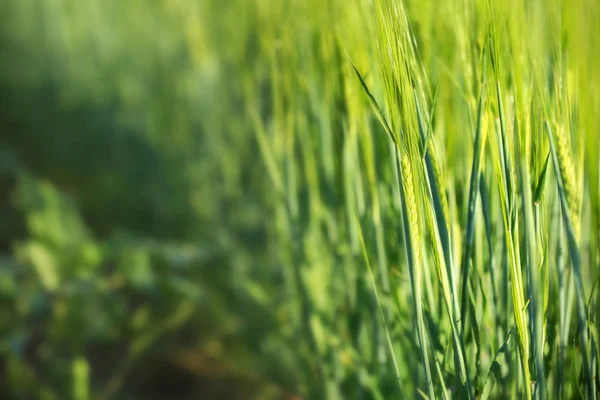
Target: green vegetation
[[260, 199]]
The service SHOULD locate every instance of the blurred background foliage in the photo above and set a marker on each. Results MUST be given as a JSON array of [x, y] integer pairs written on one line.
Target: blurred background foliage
[[117, 214]]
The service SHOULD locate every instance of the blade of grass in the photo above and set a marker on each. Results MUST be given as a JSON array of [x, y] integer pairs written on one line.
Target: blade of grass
[[495, 370], [384, 322]]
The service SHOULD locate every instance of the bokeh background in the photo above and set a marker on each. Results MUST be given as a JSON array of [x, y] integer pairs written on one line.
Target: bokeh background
[[118, 211]]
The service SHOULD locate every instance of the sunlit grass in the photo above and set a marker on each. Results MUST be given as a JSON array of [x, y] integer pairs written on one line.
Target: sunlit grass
[[424, 176], [440, 110]]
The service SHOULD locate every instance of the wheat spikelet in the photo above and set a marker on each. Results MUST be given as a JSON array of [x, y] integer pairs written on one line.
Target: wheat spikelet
[[432, 232], [411, 204], [567, 170], [440, 181]]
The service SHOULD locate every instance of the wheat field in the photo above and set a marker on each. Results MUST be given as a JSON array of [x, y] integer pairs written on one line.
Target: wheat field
[[435, 184], [404, 195]]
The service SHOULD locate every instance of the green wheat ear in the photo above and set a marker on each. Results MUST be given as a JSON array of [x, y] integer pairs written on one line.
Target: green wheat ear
[[439, 177], [567, 171], [411, 204]]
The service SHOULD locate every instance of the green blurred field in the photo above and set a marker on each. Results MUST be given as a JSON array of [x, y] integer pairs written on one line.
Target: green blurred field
[[260, 199]]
